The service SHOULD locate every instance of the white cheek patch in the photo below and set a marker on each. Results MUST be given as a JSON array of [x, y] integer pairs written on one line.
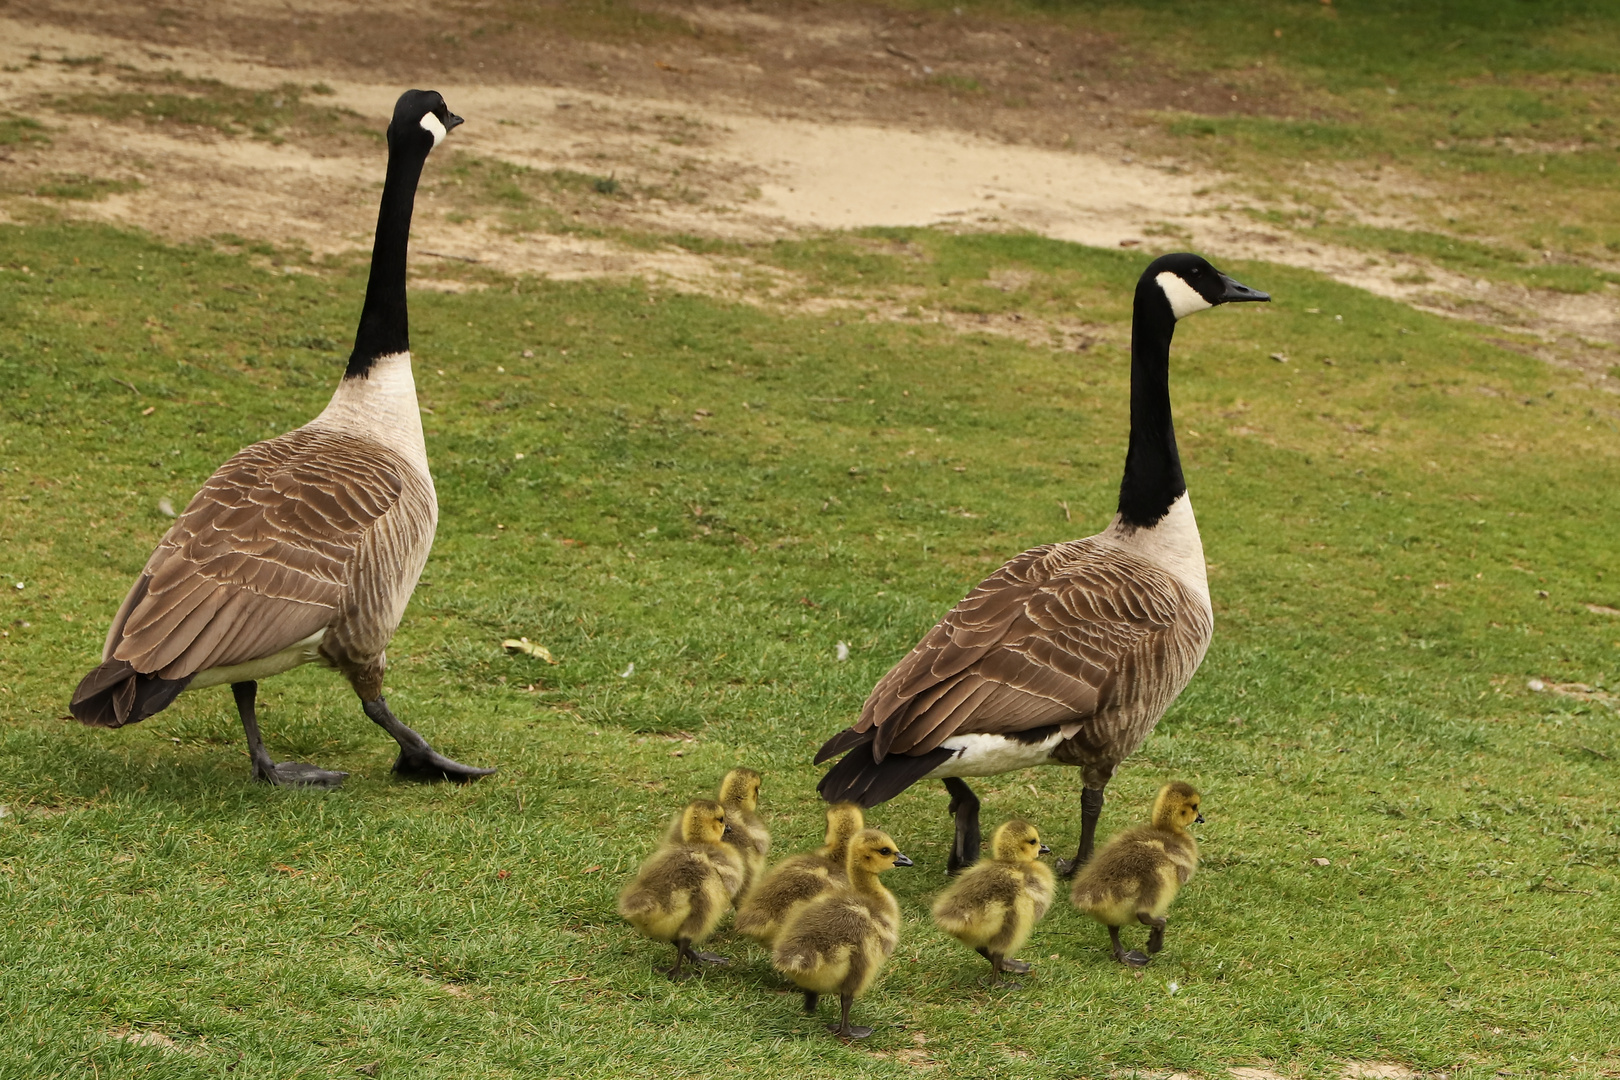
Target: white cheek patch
[[1184, 299], [433, 124]]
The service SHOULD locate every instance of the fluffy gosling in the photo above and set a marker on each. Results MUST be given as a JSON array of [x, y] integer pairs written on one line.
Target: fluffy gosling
[[993, 907], [838, 942], [739, 794], [683, 889], [799, 879], [1137, 875]]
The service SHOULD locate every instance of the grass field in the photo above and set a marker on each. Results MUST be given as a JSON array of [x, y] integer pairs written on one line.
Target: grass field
[[1406, 522]]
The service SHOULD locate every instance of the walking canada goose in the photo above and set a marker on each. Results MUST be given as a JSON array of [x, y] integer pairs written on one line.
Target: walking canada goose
[[1071, 652], [683, 890], [306, 547], [799, 879], [1138, 873], [837, 943], [993, 906]]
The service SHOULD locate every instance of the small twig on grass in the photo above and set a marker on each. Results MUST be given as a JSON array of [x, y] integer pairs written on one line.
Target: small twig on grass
[[443, 255], [1595, 753], [574, 978], [137, 393], [901, 53], [1066, 514]]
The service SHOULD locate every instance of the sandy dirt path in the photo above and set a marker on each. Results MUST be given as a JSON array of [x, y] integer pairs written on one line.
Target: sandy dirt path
[[740, 174]]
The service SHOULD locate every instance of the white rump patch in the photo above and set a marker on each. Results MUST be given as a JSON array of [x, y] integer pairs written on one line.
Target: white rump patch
[[1184, 299], [307, 651], [433, 124], [992, 755]]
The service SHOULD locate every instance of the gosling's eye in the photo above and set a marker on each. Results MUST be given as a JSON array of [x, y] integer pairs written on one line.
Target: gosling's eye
[[884, 851]]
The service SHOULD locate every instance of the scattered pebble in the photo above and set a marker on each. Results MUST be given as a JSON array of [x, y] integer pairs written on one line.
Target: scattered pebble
[[1543, 593], [1279, 357], [19, 585], [528, 354], [1536, 685]]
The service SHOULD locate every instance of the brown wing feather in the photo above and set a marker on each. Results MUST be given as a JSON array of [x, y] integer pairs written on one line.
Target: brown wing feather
[[1039, 642], [261, 558]]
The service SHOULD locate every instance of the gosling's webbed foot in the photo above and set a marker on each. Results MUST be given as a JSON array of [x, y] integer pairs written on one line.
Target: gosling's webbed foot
[[299, 774], [849, 1031], [679, 974], [1066, 868], [707, 957], [1134, 959], [1017, 967], [431, 766]]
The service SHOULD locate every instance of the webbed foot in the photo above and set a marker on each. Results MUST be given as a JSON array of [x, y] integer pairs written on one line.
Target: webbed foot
[[707, 957], [298, 774], [1017, 967], [849, 1031], [430, 765], [1134, 959]]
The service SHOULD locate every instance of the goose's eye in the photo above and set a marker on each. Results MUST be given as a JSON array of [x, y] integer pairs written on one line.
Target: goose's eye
[[884, 851]]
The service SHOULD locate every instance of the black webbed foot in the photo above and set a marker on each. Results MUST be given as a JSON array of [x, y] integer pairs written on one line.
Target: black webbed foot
[[1134, 959], [431, 766], [849, 1031], [298, 774], [701, 957]]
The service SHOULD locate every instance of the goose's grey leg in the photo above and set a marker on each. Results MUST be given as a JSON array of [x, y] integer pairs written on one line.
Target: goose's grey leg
[[287, 773], [1091, 804], [417, 760], [965, 805]]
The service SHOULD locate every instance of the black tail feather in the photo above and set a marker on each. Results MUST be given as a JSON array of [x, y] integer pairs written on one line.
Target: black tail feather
[[844, 740], [859, 779], [115, 694]]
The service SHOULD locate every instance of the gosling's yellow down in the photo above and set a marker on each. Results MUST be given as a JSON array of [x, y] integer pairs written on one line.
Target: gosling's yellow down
[[1137, 875], [799, 879], [993, 907], [683, 889], [837, 943], [739, 794]]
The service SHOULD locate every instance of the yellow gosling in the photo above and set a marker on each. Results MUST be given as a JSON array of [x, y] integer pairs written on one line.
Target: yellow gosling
[[739, 794], [837, 943], [799, 879], [680, 893], [1137, 875], [993, 907]]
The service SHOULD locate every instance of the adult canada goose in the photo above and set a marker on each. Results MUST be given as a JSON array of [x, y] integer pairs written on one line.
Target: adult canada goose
[[1071, 652], [305, 547]]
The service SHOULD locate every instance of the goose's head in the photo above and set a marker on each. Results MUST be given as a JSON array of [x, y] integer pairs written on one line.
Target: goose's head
[[1190, 284], [740, 788], [703, 822], [873, 851], [844, 820], [1017, 841], [421, 121], [1177, 806]]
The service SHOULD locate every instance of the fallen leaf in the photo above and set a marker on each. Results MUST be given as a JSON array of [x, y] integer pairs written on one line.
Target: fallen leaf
[[1602, 609], [1279, 357], [591, 869], [1319, 862], [524, 645], [149, 410], [843, 651]]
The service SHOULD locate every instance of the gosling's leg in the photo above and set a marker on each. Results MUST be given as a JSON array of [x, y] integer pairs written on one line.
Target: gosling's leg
[[265, 770], [843, 1029], [417, 760], [1091, 804], [1006, 963], [1155, 941], [699, 957], [1129, 959], [1000, 967], [811, 1000], [965, 805], [682, 946]]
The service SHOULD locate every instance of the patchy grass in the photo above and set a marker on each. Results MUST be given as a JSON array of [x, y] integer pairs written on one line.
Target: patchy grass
[[172, 99], [1399, 540]]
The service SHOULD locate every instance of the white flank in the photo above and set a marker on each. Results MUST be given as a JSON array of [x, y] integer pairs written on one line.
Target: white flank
[[1184, 299], [991, 755], [381, 407], [1172, 544], [433, 125], [303, 652]]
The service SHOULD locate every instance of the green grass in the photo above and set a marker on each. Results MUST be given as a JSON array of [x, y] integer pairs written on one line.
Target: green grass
[[1398, 541], [171, 98]]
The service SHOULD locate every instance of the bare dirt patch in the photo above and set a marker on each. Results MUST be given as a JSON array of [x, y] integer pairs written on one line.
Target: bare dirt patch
[[711, 121]]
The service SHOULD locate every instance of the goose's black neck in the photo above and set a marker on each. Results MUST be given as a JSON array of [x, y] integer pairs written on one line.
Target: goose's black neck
[[1153, 479], [384, 322]]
